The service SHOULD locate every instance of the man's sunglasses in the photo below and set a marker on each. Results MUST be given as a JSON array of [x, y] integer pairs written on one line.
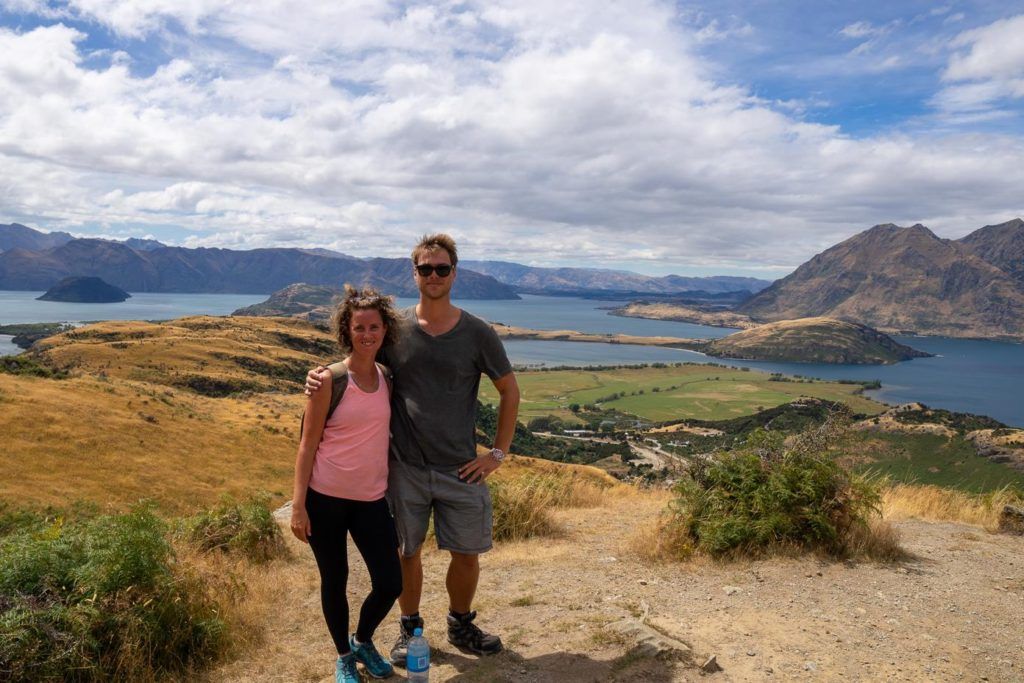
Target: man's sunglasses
[[442, 270]]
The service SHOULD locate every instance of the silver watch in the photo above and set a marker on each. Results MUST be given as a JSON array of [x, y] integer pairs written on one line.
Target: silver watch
[[498, 454]]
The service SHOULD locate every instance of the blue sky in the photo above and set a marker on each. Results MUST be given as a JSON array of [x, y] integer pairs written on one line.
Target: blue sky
[[697, 138]]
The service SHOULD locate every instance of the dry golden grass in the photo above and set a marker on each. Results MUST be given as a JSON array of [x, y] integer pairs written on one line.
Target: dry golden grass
[[114, 442], [125, 426], [258, 354], [902, 501], [526, 490], [660, 541]]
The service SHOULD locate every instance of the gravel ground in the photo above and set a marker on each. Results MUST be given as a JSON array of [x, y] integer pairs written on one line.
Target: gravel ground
[[954, 611]]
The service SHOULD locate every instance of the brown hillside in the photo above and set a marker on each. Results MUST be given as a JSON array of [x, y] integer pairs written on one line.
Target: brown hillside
[[207, 355], [1001, 245], [114, 442], [899, 279]]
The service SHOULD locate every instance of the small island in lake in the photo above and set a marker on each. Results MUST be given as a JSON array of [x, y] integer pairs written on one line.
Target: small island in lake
[[813, 340], [85, 290]]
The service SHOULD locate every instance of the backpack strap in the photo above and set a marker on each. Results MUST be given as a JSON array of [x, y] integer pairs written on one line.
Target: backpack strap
[[389, 378], [339, 382]]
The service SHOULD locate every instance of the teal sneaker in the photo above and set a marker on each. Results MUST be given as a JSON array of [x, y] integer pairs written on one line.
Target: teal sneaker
[[367, 655], [345, 669]]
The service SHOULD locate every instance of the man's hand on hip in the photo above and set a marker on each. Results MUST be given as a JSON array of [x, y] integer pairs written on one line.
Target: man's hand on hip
[[479, 468]]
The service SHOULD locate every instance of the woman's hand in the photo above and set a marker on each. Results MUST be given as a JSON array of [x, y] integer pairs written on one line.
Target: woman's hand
[[314, 380], [300, 523]]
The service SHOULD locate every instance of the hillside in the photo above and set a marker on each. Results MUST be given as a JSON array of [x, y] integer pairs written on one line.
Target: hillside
[[91, 290], [204, 354], [1001, 245], [300, 300], [899, 279], [178, 412], [618, 616], [17, 236], [131, 421], [813, 340]]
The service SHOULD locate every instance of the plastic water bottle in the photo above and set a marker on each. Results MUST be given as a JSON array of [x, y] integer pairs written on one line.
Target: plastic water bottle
[[417, 661]]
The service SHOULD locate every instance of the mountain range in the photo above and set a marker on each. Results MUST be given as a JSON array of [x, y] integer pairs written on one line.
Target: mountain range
[[588, 281], [35, 260], [909, 280], [149, 266]]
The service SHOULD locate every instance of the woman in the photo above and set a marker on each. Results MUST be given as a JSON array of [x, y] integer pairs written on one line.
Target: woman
[[341, 473]]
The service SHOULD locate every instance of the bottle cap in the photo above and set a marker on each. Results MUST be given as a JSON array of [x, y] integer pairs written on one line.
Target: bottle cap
[[417, 631]]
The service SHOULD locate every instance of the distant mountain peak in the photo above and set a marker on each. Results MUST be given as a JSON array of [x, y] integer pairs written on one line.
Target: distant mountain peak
[[909, 279]]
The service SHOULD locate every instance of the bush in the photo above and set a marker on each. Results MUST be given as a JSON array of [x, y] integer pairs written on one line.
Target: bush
[[546, 423], [522, 508], [768, 495], [246, 527], [522, 505], [30, 367], [101, 599]]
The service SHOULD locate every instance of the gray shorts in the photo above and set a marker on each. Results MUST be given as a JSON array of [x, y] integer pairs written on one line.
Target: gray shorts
[[462, 511]]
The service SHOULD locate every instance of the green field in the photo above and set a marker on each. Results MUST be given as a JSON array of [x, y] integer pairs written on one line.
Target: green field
[[670, 393], [928, 459]]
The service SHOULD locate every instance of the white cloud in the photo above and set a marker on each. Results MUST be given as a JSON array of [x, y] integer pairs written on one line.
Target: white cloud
[[536, 131], [995, 51], [859, 29], [986, 68], [713, 31]]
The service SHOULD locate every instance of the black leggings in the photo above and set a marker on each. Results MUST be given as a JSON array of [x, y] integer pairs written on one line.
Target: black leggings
[[373, 532]]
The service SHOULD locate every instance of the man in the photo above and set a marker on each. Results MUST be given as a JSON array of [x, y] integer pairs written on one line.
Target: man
[[437, 362]]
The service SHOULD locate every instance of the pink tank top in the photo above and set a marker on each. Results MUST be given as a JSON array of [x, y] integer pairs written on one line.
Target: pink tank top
[[352, 458]]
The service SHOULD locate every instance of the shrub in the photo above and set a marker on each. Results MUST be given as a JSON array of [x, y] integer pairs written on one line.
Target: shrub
[[247, 527], [30, 367], [522, 505], [770, 495], [101, 599], [545, 423], [522, 508]]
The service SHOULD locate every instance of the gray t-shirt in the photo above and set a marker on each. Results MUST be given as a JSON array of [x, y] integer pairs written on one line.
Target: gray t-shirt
[[436, 379]]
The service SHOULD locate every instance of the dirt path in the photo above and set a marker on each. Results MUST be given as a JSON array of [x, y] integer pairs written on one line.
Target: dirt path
[[954, 612]]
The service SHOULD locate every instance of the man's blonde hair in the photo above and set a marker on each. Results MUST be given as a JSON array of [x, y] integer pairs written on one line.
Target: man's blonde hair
[[429, 243]]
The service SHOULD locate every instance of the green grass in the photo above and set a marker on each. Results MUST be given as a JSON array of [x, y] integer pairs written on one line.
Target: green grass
[[701, 392], [101, 599], [929, 459]]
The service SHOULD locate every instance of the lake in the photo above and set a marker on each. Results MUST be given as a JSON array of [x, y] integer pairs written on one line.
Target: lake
[[973, 376], [22, 307]]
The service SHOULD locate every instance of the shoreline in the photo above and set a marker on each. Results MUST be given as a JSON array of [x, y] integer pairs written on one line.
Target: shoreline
[[693, 316]]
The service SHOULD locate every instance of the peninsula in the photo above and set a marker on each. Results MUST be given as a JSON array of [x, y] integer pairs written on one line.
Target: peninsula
[[667, 310], [807, 340]]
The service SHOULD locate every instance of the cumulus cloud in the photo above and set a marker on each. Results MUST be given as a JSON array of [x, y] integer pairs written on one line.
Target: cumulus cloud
[[572, 132], [986, 67]]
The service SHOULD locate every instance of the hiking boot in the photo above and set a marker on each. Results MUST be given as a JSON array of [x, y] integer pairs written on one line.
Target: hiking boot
[[467, 636], [401, 648], [367, 655], [345, 669]]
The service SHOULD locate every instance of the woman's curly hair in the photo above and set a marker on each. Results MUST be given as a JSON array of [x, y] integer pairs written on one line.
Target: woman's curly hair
[[364, 299]]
